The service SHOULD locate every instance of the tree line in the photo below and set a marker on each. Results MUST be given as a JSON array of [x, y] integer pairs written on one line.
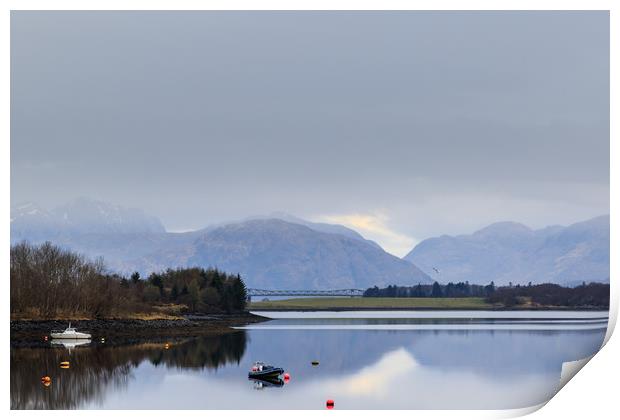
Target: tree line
[[204, 290], [48, 281], [594, 295], [461, 289]]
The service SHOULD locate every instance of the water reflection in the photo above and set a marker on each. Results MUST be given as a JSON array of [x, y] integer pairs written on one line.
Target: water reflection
[[96, 370], [208, 352], [70, 343], [359, 368], [260, 384]]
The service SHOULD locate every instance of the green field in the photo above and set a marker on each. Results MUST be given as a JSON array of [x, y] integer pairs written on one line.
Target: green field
[[371, 303]]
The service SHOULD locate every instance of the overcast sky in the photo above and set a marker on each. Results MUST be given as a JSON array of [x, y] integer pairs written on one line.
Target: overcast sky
[[403, 125]]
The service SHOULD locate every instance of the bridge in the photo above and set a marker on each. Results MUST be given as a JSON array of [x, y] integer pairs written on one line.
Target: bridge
[[338, 292]]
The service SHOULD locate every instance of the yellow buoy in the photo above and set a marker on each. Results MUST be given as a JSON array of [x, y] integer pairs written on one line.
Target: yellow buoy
[[166, 346], [64, 365]]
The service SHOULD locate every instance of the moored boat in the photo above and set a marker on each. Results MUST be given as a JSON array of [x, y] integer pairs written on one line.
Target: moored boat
[[261, 370], [69, 333]]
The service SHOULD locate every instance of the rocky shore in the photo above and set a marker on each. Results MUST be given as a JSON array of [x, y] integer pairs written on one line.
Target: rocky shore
[[30, 332]]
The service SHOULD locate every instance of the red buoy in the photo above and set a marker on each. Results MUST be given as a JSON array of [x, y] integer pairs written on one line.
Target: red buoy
[[287, 378], [329, 404]]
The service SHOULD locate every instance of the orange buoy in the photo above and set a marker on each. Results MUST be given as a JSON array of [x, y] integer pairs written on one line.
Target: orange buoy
[[166, 346], [46, 379], [329, 404], [64, 365], [287, 378]]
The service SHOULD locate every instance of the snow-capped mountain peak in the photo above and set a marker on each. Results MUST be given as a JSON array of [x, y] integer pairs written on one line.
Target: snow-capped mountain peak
[[83, 215]]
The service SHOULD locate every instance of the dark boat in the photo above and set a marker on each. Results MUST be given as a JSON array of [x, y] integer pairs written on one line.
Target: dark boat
[[261, 371]]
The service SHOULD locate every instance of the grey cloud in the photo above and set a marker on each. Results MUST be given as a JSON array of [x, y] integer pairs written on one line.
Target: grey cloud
[[200, 117]]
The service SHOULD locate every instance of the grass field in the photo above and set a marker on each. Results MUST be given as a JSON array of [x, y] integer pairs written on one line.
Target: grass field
[[371, 303]]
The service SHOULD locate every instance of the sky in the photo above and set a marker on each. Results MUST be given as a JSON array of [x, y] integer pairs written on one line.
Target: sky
[[401, 125]]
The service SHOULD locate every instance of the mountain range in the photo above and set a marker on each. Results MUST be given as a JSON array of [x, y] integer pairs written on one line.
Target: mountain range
[[81, 216], [509, 252], [283, 251], [277, 251]]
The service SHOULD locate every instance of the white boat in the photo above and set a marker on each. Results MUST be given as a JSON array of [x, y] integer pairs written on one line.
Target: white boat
[[69, 333]]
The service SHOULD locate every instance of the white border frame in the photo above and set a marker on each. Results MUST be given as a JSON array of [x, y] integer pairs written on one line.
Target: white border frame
[[591, 395]]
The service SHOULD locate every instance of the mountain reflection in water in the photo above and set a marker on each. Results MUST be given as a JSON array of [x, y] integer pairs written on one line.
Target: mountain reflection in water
[[381, 367], [96, 369]]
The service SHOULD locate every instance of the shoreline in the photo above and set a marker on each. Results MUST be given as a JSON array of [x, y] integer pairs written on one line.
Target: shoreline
[[420, 308], [123, 329], [341, 304], [417, 308]]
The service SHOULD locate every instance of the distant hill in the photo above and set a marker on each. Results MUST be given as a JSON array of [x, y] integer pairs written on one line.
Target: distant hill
[[81, 216], [511, 252], [93, 228], [321, 227], [30, 221], [287, 252], [267, 252], [273, 253]]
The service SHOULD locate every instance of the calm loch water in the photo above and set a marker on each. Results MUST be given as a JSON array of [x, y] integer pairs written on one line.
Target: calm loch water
[[368, 360]]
